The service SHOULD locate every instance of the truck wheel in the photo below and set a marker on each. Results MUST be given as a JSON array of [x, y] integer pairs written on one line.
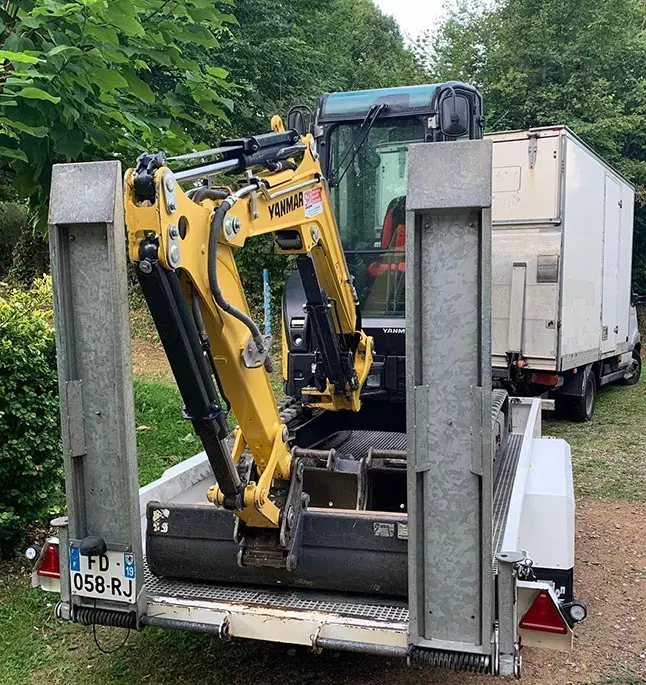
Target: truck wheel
[[582, 406], [562, 407], [634, 370]]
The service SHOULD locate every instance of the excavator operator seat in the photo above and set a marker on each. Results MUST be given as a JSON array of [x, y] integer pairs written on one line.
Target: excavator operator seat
[[393, 239]]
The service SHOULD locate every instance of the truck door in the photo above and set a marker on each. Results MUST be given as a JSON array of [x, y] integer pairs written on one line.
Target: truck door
[[612, 218], [526, 214]]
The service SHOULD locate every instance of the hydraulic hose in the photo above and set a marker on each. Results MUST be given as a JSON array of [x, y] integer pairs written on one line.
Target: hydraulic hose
[[216, 225], [201, 328], [204, 193]]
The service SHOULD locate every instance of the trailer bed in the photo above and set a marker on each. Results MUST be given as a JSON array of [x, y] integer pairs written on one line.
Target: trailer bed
[[311, 617]]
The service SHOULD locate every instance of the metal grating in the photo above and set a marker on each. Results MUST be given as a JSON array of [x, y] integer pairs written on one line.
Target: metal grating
[[360, 442], [300, 600], [503, 484]]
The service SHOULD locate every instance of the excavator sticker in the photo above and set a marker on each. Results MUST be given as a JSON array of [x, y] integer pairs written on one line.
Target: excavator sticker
[[313, 202]]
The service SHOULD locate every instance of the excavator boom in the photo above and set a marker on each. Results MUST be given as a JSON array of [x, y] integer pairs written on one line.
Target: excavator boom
[[182, 244]]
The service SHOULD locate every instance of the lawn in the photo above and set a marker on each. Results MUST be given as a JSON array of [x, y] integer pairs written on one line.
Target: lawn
[[36, 648], [164, 438], [609, 454]]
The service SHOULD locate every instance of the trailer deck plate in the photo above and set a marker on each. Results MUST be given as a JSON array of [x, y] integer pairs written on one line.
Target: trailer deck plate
[[387, 611], [360, 441]]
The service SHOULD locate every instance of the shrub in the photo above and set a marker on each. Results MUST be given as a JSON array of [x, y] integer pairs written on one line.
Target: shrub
[[31, 473], [29, 258], [14, 222]]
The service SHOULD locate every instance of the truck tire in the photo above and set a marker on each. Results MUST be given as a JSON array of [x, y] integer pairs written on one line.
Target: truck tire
[[634, 370], [582, 406]]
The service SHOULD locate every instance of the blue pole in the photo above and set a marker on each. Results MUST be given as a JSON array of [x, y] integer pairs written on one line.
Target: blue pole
[[266, 297]]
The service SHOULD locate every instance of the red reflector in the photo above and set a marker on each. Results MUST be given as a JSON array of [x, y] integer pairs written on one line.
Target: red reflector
[[50, 565], [544, 378], [543, 615]]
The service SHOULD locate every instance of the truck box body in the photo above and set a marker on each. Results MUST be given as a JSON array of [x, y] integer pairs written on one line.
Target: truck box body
[[562, 246]]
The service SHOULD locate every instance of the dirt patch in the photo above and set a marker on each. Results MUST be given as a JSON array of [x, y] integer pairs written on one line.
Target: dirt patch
[[610, 576], [149, 361]]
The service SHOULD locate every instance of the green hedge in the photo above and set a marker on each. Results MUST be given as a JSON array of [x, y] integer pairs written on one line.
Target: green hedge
[[31, 473]]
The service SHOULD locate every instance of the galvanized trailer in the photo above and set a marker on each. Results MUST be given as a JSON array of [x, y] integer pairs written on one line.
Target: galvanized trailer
[[487, 538]]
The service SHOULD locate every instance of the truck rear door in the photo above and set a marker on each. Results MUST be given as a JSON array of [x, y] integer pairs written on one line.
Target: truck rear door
[[526, 214]]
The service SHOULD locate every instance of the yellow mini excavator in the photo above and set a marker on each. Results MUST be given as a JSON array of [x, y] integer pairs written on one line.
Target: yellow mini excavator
[[296, 477], [182, 246]]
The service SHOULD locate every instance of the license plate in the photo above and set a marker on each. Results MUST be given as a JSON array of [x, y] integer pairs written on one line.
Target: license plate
[[107, 576]]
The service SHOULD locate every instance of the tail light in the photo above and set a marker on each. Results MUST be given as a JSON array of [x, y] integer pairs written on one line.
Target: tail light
[[49, 566], [550, 379], [544, 615]]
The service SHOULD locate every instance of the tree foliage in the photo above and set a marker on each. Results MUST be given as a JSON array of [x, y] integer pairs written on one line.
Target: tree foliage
[[83, 79], [557, 62], [90, 79], [286, 52], [316, 47]]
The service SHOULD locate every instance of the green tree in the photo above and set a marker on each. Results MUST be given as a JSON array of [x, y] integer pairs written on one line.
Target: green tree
[[574, 62], [82, 79], [315, 47], [286, 52]]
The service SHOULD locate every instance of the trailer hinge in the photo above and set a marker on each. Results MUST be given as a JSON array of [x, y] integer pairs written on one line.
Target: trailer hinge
[[481, 413]]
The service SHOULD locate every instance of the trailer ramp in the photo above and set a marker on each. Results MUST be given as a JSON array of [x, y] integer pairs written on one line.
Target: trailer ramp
[[303, 617]]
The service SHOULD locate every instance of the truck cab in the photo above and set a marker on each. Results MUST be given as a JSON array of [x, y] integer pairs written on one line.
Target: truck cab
[[363, 139]]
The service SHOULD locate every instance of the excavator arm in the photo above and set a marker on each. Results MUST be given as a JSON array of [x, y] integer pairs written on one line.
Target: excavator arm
[[182, 245]]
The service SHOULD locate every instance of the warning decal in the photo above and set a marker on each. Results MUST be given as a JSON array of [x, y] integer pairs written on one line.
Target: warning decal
[[313, 202]]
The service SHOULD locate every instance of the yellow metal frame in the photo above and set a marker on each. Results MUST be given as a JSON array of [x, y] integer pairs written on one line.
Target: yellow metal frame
[[280, 205]]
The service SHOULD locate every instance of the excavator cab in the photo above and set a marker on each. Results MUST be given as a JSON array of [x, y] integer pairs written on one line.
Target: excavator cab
[[363, 140]]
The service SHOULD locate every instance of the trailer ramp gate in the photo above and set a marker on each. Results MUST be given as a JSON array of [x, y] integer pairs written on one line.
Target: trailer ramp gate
[[88, 263], [448, 352]]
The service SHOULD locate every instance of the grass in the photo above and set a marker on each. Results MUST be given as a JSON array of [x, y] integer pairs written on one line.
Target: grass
[[623, 676], [609, 453], [35, 647], [609, 462], [164, 438]]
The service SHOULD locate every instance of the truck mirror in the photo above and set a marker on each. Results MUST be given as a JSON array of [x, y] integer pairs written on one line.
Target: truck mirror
[[454, 114]]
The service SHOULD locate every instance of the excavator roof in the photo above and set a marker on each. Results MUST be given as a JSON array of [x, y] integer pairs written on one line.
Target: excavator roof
[[355, 104]]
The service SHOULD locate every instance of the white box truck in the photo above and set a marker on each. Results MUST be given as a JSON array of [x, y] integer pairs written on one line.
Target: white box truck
[[562, 313]]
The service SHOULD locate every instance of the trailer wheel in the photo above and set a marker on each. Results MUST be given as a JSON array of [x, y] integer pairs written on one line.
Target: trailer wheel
[[634, 370], [582, 406]]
